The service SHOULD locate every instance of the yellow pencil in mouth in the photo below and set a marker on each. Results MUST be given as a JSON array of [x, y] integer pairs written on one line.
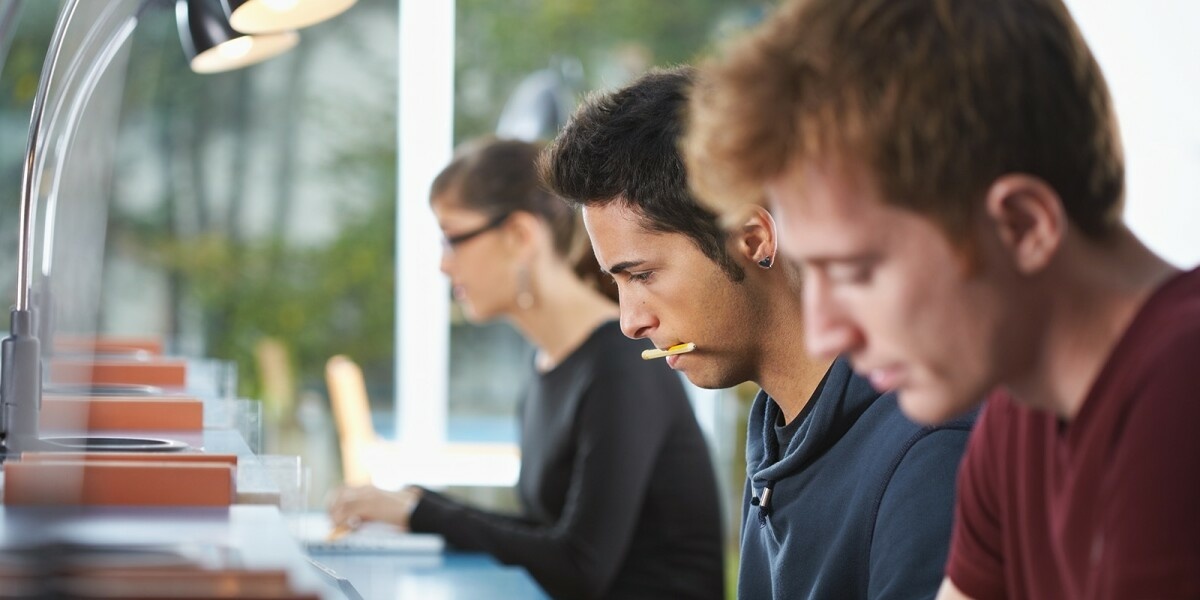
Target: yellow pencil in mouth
[[676, 349]]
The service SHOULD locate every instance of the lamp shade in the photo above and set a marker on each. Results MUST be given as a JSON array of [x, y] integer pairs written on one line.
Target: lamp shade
[[212, 46], [269, 16]]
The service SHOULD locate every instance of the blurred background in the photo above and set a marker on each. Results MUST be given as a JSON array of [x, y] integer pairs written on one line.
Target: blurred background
[[276, 216]]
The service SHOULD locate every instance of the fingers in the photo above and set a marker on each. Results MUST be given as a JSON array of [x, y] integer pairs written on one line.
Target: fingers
[[348, 506], [352, 506]]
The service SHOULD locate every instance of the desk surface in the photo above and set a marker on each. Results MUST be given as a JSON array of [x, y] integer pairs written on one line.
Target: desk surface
[[251, 537], [448, 576], [257, 537]]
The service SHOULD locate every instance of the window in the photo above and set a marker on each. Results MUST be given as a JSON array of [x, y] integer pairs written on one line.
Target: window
[[499, 55]]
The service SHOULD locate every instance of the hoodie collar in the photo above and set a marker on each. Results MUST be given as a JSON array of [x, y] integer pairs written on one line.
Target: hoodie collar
[[836, 404]]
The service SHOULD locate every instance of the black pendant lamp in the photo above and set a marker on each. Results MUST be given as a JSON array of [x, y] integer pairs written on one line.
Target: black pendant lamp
[[270, 16], [212, 46]]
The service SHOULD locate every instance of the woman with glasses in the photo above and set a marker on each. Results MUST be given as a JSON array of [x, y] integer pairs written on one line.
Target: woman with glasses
[[617, 491]]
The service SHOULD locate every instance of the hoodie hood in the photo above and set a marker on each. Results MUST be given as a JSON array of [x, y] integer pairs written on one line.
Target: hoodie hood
[[838, 402]]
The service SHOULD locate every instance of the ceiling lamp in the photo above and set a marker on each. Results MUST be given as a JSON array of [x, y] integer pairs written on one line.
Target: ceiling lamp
[[212, 46], [271, 16]]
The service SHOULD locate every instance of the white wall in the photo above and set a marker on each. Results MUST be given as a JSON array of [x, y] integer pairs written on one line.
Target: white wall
[[1150, 53]]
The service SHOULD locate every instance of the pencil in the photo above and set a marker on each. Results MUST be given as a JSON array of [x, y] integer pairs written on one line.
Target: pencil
[[676, 349], [338, 532]]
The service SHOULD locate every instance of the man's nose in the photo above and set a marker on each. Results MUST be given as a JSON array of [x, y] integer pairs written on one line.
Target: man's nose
[[829, 329], [637, 321]]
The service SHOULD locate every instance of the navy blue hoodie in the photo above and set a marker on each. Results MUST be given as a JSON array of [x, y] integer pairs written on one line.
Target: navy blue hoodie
[[860, 501]]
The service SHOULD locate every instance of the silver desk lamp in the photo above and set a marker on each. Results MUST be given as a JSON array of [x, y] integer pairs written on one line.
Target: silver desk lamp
[[211, 45]]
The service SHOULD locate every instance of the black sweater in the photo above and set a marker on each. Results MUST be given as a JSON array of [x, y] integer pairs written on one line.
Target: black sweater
[[618, 491]]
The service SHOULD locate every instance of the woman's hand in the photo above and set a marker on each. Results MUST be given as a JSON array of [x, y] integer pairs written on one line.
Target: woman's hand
[[353, 506]]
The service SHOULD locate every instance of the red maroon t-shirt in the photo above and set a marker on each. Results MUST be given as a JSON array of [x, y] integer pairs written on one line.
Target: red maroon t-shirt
[[1108, 505]]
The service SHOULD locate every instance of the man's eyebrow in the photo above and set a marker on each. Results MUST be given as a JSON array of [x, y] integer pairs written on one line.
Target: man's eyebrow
[[622, 267]]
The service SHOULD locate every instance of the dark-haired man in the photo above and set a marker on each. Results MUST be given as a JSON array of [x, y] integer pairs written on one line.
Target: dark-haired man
[[845, 498], [949, 174]]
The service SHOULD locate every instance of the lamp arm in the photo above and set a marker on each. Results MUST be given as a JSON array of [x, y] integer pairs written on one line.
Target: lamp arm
[[27, 207], [64, 140], [38, 141], [21, 373]]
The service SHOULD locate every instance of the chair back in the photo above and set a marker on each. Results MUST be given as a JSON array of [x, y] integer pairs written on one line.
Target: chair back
[[352, 414]]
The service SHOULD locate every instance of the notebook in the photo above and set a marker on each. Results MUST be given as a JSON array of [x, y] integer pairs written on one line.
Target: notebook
[[313, 532]]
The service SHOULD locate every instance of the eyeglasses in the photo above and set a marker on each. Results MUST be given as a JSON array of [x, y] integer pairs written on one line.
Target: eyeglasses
[[451, 241]]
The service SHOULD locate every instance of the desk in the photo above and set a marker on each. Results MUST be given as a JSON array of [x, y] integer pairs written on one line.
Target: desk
[[448, 576], [251, 537], [257, 537]]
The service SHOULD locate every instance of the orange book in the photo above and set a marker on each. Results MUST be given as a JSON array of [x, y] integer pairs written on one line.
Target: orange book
[[121, 582], [169, 583], [166, 457], [117, 483], [108, 344], [121, 413], [162, 372]]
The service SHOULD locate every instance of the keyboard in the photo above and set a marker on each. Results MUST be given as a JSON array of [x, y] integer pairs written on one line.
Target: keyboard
[[312, 530]]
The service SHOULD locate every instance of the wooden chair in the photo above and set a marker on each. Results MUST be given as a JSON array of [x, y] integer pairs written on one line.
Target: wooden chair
[[352, 414], [394, 465]]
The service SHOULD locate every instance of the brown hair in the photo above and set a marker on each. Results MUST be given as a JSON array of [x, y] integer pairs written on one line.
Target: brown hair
[[936, 98], [497, 177]]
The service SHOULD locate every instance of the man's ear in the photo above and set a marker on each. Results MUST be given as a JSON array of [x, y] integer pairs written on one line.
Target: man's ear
[[753, 236], [1029, 220]]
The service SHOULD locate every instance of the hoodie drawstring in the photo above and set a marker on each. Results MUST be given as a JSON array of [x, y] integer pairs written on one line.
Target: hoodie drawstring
[[763, 503]]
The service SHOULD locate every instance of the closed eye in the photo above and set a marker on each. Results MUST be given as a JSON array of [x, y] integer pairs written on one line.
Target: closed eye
[[626, 269], [851, 272]]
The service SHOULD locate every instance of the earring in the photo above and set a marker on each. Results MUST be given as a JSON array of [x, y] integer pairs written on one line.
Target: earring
[[765, 263], [524, 293]]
